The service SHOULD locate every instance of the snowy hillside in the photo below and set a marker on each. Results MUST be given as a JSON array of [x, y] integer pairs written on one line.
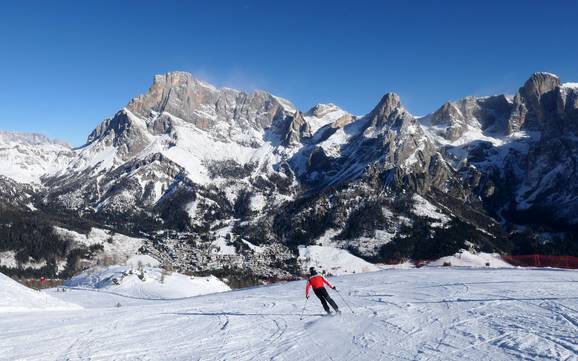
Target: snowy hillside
[[420, 314], [15, 297], [145, 282], [332, 260], [468, 259]]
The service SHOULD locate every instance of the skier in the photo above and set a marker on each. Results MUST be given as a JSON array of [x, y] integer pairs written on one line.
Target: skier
[[317, 281]]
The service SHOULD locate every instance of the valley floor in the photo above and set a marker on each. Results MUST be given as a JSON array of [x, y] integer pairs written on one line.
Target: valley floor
[[417, 314]]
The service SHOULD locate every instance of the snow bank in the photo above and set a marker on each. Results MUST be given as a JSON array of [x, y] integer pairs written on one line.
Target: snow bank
[[15, 297], [570, 85], [468, 259], [333, 260], [147, 283], [403, 265]]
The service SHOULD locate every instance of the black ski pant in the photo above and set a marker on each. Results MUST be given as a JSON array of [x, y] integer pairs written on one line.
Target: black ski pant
[[323, 296]]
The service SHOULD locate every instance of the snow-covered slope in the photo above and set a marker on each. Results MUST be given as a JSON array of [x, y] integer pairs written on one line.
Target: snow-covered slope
[[332, 260], [322, 115], [421, 314], [145, 282], [25, 157], [15, 297], [468, 259]]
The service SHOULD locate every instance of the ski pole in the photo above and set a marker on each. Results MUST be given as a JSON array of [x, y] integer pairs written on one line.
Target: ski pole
[[303, 311], [347, 304]]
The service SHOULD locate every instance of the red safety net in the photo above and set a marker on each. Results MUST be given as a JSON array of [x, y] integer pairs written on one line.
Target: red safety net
[[538, 260]]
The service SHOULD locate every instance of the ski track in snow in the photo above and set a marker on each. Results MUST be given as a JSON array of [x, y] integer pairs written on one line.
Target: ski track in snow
[[417, 314]]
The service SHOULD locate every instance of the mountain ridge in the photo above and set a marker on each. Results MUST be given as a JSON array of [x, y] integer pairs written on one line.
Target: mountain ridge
[[220, 169]]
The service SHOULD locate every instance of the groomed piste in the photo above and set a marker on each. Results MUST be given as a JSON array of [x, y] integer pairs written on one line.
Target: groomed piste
[[411, 314]]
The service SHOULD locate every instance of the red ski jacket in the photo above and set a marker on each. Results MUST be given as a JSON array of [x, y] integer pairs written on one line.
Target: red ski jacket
[[316, 282]]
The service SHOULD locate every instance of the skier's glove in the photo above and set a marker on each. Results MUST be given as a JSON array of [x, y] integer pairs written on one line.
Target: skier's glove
[[335, 288], [307, 297]]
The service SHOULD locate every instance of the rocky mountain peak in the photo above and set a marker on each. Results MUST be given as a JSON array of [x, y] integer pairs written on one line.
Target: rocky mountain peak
[[177, 93], [321, 110], [177, 79], [447, 113], [220, 111], [388, 104], [539, 84], [534, 102], [388, 111], [297, 130], [454, 119], [180, 77]]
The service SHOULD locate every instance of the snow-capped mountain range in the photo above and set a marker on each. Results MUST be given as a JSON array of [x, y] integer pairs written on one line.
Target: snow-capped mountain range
[[25, 157], [219, 179]]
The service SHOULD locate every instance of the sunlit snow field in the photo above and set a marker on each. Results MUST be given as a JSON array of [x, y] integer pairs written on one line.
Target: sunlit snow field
[[415, 314]]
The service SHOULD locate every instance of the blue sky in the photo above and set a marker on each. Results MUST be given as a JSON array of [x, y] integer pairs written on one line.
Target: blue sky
[[65, 65]]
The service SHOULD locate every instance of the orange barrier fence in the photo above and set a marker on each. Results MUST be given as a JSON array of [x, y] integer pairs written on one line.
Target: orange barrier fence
[[538, 260]]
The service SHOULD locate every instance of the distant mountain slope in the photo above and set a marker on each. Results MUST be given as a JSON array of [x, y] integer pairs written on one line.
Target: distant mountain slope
[[26, 157]]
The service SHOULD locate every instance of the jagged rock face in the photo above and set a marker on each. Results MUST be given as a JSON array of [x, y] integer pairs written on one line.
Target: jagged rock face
[[534, 103], [207, 107], [318, 161], [548, 190], [388, 143], [298, 130], [388, 139], [488, 114], [388, 111], [521, 162], [217, 177], [567, 108], [124, 133], [567, 102], [184, 123]]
